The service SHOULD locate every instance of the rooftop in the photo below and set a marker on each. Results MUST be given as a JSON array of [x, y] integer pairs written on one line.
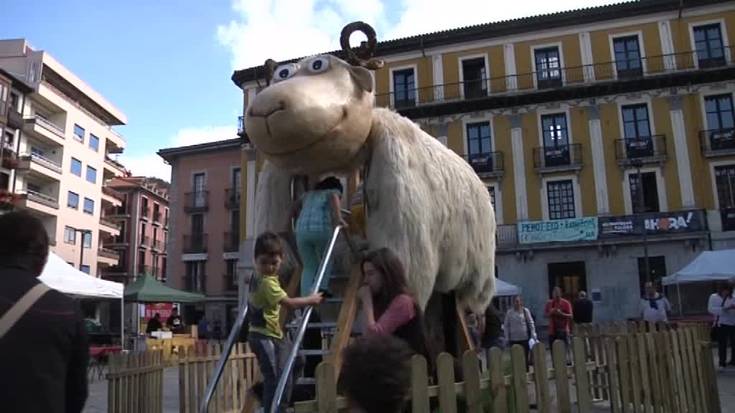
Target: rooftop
[[508, 27], [169, 154]]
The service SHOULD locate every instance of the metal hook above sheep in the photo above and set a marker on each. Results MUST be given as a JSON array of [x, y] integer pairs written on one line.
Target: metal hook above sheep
[[424, 201]]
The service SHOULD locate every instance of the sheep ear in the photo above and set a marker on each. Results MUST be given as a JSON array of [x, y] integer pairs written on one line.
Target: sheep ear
[[362, 77]]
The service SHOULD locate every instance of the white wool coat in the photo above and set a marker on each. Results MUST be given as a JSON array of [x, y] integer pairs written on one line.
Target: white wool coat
[[423, 201]]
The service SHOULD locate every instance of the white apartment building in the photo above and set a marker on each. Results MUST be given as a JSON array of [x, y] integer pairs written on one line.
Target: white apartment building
[[64, 155]]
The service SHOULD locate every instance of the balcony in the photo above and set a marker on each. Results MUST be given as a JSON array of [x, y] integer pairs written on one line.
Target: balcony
[[109, 226], [549, 159], [646, 149], [121, 211], [41, 126], [108, 253], [9, 159], [117, 168], [232, 242], [41, 160], [717, 142], [145, 241], [15, 120], [112, 196], [553, 84], [145, 269], [196, 201], [118, 241], [116, 272], [196, 283], [195, 244], [40, 198], [486, 165], [232, 198]]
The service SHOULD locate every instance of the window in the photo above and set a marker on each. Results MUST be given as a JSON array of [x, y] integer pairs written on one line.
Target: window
[[87, 239], [85, 269], [627, 56], [88, 206], [198, 183], [479, 146], [474, 74], [561, 199], [720, 122], [94, 142], [141, 263], [491, 191], [725, 183], [236, 179], [231, 274], [404, 88], [656, 268], [72, 200], [144, 207], [650, 192], [637, 131], [195, 276], [197, 224], [76, 166], [70, 235], [708, 45], [91, 174], [143, 237], [556, 139], [548, 67], [78, 133]]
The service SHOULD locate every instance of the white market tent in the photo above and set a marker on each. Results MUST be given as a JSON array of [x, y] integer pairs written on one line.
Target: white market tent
[[505, 289], [708, 266], [60, 276]]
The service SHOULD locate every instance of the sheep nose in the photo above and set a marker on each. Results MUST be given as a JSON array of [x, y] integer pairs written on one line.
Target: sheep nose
[[267, 108]]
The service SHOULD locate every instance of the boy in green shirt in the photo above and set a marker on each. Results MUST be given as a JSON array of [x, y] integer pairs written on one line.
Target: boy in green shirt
[[266, 336]]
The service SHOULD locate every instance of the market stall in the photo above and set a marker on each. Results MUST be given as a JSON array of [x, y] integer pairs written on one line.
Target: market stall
[[708, 268]]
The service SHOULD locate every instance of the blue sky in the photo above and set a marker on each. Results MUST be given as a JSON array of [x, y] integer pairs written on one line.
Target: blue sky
[[167, 63]]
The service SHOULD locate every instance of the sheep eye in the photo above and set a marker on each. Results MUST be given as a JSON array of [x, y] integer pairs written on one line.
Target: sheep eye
[[319, 65], [284, 72]]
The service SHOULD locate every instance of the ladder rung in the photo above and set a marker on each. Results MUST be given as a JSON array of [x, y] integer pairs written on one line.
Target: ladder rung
[[313, 352]]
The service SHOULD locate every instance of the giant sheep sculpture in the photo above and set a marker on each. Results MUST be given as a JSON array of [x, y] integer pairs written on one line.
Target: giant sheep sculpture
[[424, 201]]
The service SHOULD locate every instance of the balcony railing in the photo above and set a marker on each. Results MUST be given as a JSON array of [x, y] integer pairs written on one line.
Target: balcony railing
[[118, 212], [196, 201], [121, 239], [486, 164], [232, 241], [557, 158], [42, 198], [109, 223], [232, 198], [57, 130], [194, 244], [196, 283], [647, 149], [43, 161], [15, 120], [717, 142], [554, 78], [115, 164], [108, 253], [113, 193]]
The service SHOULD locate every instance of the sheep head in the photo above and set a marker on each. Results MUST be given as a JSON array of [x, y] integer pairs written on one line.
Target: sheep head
[[315, 115]]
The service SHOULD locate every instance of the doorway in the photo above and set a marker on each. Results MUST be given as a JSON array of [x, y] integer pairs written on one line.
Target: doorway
[[570, 276]]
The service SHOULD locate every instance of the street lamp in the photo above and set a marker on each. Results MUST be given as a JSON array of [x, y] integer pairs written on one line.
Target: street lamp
[[637, 163], [81, 243]]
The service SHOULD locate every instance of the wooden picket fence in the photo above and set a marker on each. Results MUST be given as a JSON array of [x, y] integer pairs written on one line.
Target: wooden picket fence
[[135, 382], [196, 365], [618, 369]]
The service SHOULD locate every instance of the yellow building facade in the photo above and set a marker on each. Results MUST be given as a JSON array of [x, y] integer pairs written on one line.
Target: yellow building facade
[[616, 118]]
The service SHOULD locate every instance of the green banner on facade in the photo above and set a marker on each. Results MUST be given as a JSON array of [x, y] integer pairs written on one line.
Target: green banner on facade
[[559, 230]]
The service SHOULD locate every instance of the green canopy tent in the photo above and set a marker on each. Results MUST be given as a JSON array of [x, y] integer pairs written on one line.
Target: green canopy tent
[[147, 289]]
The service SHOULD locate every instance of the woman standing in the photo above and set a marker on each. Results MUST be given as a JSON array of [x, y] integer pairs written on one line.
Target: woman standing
[[387, 305], [318, 214], [519, 326]]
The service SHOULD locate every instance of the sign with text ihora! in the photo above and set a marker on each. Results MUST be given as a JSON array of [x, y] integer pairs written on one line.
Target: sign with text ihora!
[[655, 223], [559, 230]]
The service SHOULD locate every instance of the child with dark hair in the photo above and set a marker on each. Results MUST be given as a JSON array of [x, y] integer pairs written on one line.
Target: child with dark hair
[[266, 297], [318, 212], [376, 374]]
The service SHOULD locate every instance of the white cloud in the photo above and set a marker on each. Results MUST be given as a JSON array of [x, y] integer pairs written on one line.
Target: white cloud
[[285, 29], [193, 136], [146, 165], [153, 165]]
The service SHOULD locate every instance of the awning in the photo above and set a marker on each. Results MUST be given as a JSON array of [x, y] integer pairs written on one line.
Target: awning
[[147, 289], [505, 289], [708, 266], [61, 276]]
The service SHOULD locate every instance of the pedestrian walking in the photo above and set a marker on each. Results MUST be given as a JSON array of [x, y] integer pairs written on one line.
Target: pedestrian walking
[[582, 309], [519, 326], [559, 312], [722, 306], [491, 333], [654, 306]]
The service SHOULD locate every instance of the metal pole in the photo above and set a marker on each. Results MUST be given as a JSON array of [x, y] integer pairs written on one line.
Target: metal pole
[[302, 327], [81, 250], [122, 323]]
